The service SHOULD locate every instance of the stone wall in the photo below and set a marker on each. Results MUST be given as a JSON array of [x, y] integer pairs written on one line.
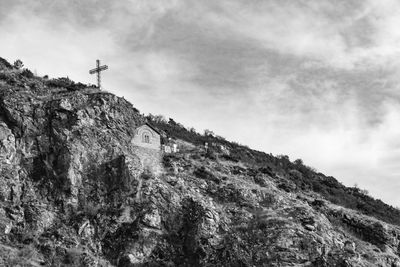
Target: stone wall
[[149, 158]]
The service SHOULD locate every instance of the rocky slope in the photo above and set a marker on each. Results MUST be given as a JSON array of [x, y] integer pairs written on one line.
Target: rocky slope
[[73, 193]]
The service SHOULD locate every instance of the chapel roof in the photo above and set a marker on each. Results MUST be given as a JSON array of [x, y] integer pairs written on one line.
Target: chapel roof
[[152, 127]]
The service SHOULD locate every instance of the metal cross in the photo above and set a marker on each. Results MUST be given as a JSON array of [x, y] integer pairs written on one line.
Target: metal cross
[[97, 70]]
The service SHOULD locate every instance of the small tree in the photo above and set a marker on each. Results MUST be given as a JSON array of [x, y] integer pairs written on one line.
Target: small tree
[[160, 119], [298, 162], [18, 64]]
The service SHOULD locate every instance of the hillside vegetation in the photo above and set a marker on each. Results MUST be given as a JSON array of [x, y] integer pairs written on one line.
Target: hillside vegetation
[[297, 176]]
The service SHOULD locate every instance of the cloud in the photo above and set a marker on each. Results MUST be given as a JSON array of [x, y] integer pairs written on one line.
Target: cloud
[[343, 34]]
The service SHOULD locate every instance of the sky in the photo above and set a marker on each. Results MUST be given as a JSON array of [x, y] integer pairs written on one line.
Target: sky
[[311, 79]]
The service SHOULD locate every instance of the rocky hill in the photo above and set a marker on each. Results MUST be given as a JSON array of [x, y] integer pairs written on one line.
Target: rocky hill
[[73, 192]]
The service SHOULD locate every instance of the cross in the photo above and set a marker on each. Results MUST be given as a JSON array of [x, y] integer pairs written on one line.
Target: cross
[[97, 70]]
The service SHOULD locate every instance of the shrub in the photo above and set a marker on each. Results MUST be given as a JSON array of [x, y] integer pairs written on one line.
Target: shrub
[[229, 157], [287, 186], [65, 82], [5, 63], [298, 162], [203, 173], [18, 64], [27, 73], [168, 159], [8, 78], [296, 174], [211, 154]]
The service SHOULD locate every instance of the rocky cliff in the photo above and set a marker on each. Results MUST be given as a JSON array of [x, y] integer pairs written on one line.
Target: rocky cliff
[[74, 193]]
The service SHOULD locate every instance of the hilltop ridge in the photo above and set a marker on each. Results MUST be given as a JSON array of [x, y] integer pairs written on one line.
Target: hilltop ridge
[[73, 192]]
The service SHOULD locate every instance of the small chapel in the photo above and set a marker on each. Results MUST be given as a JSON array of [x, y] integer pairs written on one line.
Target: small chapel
[[147, 136], [147, 146]]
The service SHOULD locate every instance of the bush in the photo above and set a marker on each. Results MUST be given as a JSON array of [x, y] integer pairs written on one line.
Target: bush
[[287, 186], [298, 162], [27, 73], [5, 63], [296, 174], [18, 64], [229, 157], [203, 173], [65, 82], [8, 78], [211, 154]]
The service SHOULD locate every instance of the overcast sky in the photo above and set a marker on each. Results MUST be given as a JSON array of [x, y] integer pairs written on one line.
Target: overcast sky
[[312, 79]]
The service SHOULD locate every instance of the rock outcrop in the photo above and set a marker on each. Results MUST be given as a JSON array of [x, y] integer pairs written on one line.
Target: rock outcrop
[[73, 192]]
